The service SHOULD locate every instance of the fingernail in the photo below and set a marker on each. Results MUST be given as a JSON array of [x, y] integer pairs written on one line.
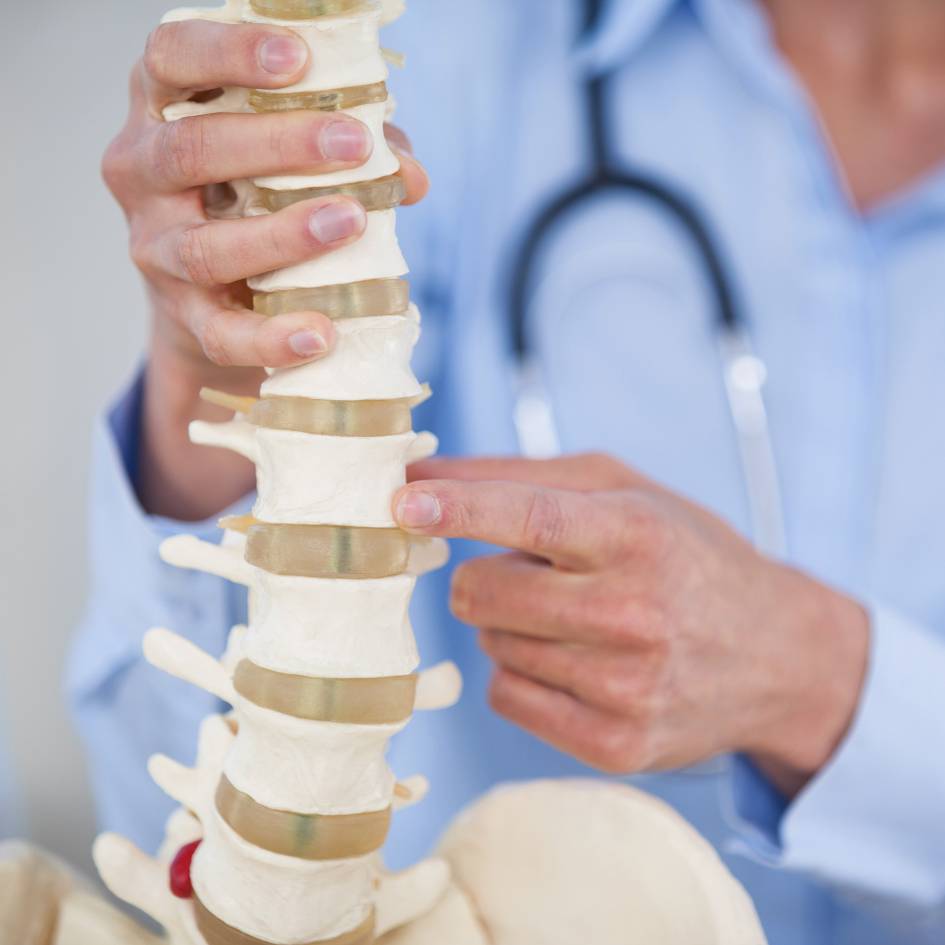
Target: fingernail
[[337, 221], [345, 141], [418, 510], [308, 344], [283, 55]]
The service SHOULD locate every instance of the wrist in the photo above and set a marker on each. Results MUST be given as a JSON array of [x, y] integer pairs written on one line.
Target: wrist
[[817, 675], [177, 479]]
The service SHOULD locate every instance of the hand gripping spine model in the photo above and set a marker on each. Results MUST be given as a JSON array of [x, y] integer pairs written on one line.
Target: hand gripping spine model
[[291, 798]]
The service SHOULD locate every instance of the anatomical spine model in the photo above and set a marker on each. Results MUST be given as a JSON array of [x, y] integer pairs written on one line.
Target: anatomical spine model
[[291, 797], [281, 819]]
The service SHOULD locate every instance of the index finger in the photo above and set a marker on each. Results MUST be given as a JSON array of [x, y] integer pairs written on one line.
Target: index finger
[[582, 472], [198, 55], [573, 530]]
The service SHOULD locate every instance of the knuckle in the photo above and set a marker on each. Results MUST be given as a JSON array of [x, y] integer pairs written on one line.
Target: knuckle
[[141, 250], [647, 530], [610, 617], [632, 617], [647, 695], [281, 141], [613, 689], [213, 342], [195, 256], [545, 522], [498, 695], [648, 519], [651, 624], [114, 167], [458, 517], [615, 749], [639, 621], [495, 695], [156, 53], [398, 137], [607, 468], [280, 239], [183, 149], [461, 593], [605, 619], [623, 619]]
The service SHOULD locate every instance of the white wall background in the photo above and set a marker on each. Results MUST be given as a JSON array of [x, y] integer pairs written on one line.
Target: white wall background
[[72, 328]]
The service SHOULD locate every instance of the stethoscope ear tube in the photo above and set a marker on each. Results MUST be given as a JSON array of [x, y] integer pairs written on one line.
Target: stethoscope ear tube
[[745, 376], [534, 418]]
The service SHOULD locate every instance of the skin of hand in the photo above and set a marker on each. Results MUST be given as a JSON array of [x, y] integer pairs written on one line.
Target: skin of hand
[[163, 175], [633, 629]]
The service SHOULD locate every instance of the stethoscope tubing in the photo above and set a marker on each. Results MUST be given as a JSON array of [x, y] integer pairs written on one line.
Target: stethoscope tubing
[[681, 210], [744, 374]]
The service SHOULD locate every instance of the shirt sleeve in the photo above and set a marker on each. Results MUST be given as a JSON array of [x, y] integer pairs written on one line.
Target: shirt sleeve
[[872, 823], [125, 709]]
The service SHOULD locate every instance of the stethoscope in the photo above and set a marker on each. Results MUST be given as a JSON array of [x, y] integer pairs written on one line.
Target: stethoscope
[[744, 373]]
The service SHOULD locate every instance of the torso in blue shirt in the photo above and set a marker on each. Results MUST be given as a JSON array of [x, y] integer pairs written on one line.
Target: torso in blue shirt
[[844, 310]]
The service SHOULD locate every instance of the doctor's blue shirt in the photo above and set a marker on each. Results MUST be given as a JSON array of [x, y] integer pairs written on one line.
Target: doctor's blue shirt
[[845, 308]]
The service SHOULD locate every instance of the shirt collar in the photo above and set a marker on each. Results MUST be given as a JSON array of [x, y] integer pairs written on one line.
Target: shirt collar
[[624, 26], [741, 31], [738, 28]]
